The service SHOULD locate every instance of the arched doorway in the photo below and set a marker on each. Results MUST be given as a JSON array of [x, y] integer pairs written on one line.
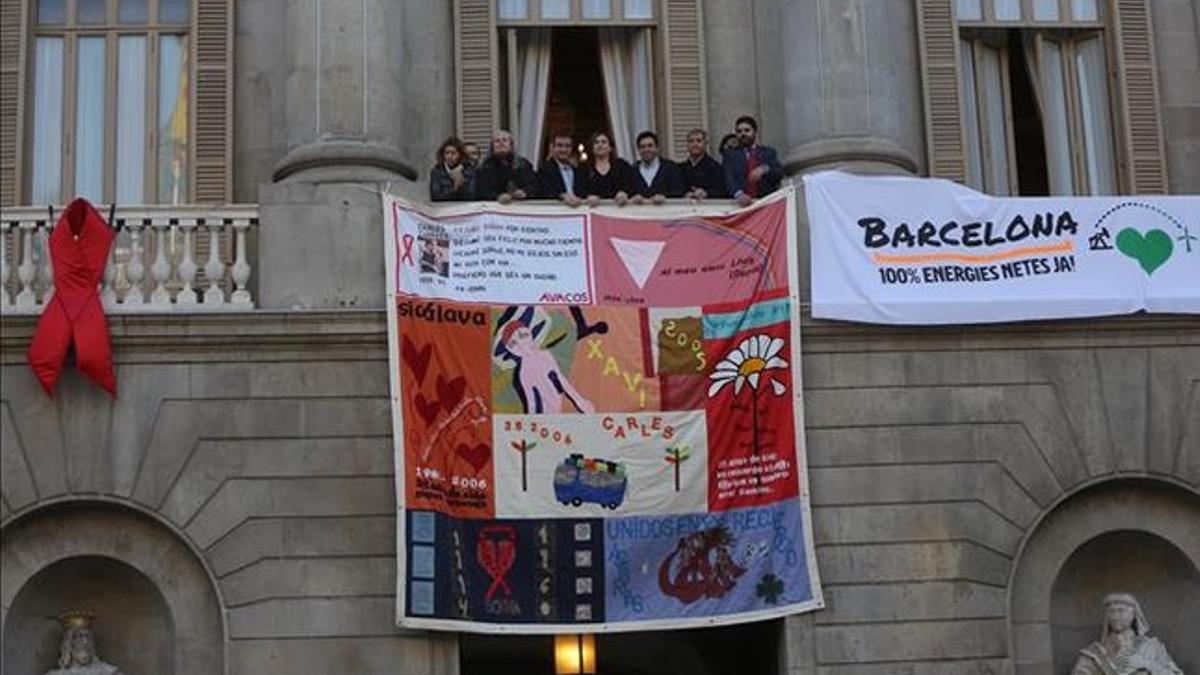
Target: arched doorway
[[156, 607], [1135, 535]]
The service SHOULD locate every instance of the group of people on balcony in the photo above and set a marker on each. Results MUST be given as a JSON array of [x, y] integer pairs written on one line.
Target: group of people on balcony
[[745, 172]]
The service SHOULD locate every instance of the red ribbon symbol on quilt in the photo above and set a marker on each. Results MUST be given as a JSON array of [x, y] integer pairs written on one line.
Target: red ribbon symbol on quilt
[[496, 550], [79, 248]]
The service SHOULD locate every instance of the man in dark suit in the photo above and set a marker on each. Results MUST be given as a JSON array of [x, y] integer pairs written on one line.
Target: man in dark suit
[[504, 176], [751, 170], [702, 175], [556, 177], [655, 178]]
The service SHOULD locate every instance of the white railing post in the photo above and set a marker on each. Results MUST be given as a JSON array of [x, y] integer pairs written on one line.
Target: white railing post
[[5, 268], [136, 271], [145, 270], [160, 269], [25, 272], [46, 270], [241, 268], [214, 269], [187, 266]]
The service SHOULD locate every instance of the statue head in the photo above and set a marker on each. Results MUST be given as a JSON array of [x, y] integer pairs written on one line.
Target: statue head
[[1122, 612], [78, 646]]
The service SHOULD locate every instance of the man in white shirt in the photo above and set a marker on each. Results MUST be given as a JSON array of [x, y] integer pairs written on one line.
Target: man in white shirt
[[656, 179]]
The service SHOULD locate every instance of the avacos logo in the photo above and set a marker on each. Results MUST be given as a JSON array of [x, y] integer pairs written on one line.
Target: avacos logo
[[1150, 249], [570, 298]]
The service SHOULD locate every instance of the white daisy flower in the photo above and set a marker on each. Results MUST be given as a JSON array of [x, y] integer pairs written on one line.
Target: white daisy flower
[[749, 364]]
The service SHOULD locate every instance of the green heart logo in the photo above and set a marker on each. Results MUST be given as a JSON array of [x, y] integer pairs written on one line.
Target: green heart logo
[[1151, 250]]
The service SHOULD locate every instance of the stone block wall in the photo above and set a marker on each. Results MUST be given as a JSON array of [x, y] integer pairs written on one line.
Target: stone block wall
[[262, 441]]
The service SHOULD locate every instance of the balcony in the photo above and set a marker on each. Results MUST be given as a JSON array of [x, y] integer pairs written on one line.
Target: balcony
[[164, 259]]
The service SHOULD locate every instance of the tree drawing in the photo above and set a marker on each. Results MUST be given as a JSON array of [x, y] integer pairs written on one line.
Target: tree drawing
[[676, 455], [523, 446]]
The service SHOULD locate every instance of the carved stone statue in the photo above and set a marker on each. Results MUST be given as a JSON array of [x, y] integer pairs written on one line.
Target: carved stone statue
[[77, 655], [1125, 646]]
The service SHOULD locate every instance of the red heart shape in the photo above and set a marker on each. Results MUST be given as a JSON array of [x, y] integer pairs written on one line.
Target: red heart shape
[[450, 392], [477, 456], [427, 409], [418, 361]]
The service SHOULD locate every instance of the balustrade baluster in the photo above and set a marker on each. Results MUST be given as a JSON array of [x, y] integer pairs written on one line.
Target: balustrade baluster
[[108, 286], [136, 271], [25, 272], [160, 269], [5, 268], [214, 268], [241, 268], [187, 266], [46, 270]]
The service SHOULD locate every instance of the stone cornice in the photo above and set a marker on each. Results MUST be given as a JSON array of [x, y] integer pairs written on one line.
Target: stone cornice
[[362, 335]]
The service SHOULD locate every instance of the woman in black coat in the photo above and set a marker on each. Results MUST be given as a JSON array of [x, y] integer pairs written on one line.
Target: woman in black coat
[[605, 176]]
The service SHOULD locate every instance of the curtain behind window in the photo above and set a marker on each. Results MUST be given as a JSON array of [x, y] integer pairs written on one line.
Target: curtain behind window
[[1096, 122], [625, 63], [47, 120], [533, 67]]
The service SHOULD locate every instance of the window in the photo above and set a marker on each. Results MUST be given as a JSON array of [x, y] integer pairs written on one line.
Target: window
[[116, 100], [110, 101], [643, 58], [1036, 113], [1035, 102], [1042, 96]]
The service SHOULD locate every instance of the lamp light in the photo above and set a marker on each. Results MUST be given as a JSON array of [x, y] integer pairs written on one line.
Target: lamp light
[[575, 654]]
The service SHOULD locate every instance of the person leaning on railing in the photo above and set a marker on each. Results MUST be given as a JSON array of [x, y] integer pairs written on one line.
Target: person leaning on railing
[[703, 177], [654, 178], [504, 176], [604, 175], [558, 177], [751, 170], [450, 179]]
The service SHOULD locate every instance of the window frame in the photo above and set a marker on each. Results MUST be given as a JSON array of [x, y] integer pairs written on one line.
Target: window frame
[[111, 30]]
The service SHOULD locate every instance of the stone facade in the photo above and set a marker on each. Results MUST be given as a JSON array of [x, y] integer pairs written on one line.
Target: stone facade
[[964, 480]]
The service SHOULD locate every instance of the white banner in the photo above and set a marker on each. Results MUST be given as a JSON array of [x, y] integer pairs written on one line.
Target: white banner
[[928, 251], [491, 257]]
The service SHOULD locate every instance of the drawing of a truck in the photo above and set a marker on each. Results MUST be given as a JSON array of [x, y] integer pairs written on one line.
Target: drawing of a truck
[[580, 479]]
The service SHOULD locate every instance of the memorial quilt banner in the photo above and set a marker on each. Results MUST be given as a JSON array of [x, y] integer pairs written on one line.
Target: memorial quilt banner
[[597, 417], [929, 251]]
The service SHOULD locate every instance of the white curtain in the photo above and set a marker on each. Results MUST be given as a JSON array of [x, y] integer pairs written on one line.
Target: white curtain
[[89, 119], [131, 119], [995, 130], [47, 120], [968, 93], [1055, 126], [533, 67], [1097, 127], [625, 63]]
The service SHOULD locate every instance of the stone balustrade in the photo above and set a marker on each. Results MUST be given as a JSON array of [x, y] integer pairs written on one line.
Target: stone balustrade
[[164, 259]]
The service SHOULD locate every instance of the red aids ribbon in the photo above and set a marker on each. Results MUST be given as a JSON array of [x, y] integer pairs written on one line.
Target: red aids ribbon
[[496, 551], [79, 250]]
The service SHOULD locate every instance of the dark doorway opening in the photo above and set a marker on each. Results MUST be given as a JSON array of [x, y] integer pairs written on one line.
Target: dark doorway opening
[[1032, 175], [745, 649], [576, 102]]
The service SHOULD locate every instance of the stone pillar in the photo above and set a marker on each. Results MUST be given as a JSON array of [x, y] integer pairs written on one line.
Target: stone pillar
[[369, 93], [343, 92], [852, 86]]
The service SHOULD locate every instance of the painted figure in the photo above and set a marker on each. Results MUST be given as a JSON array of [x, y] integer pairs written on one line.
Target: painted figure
[[540, 384]]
